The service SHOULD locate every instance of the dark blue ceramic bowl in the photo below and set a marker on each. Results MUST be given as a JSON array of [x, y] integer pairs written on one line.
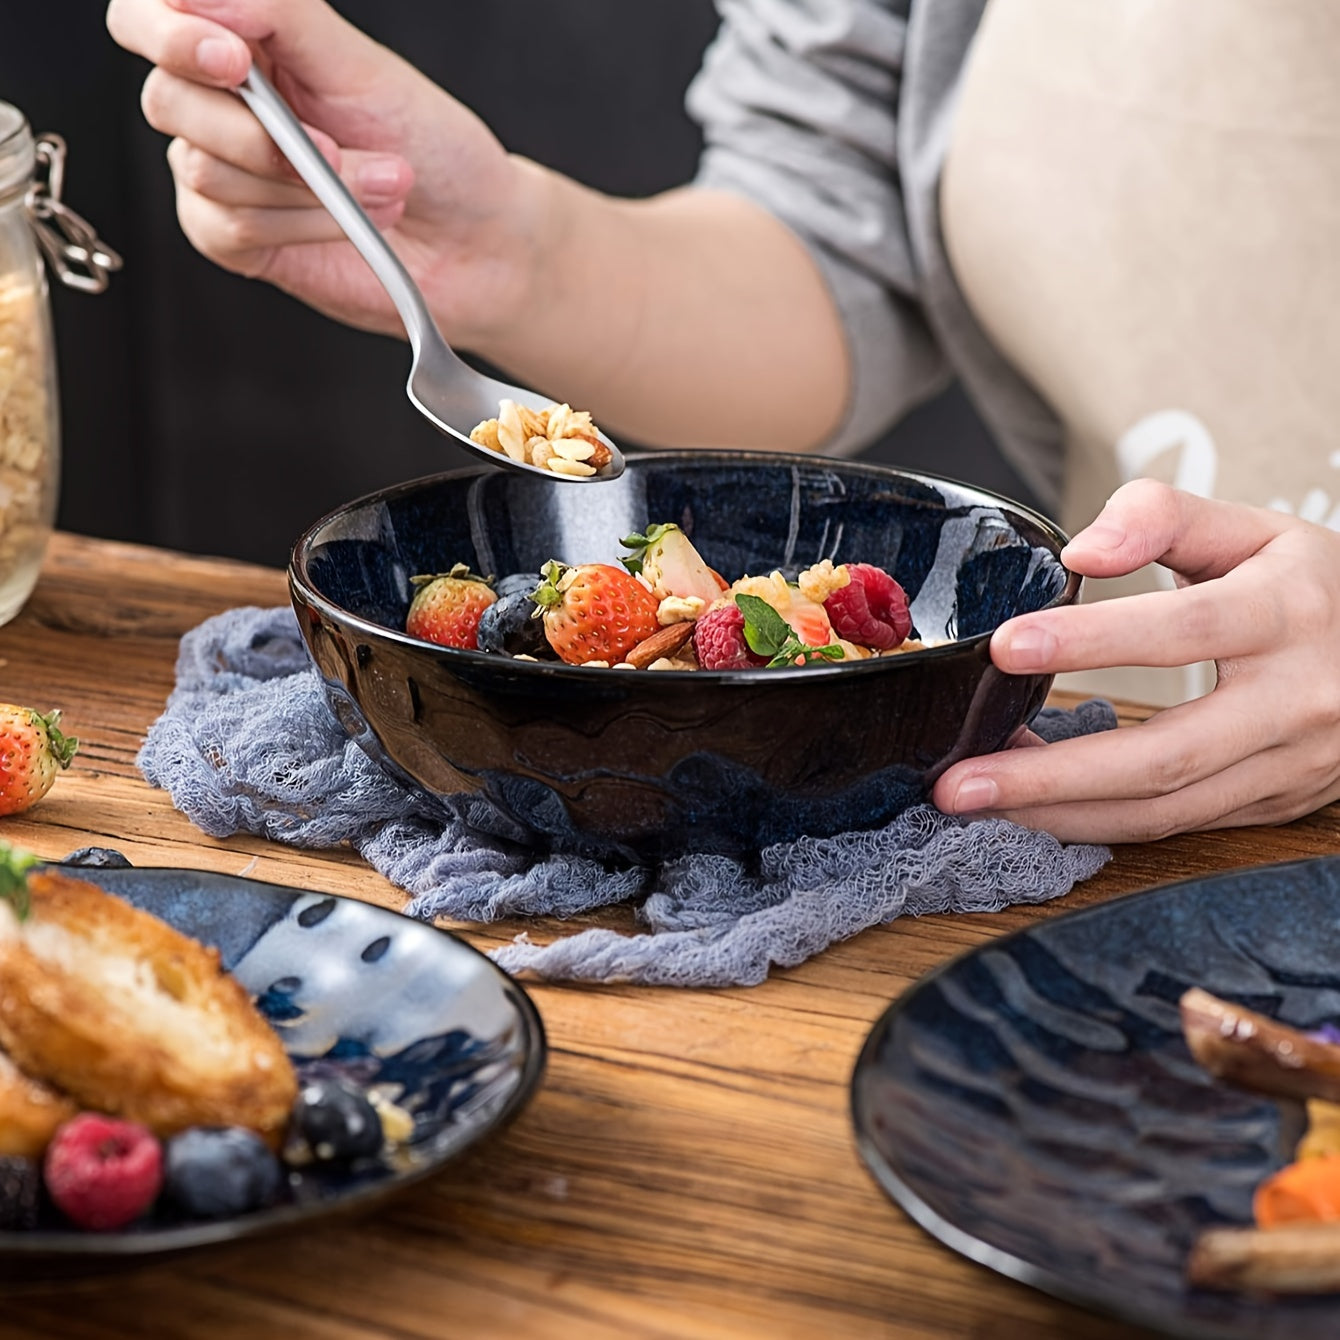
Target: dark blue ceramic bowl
[[643, 766]]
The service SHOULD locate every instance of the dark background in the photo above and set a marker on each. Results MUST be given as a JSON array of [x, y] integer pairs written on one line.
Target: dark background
[[212, 414]]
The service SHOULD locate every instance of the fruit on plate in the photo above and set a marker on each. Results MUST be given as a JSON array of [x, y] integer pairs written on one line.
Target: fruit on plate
[[447, 607], [595, 612], [20, 1192], [103, 1173], [33, 752], [719, 640], [511, 625], [333, 1121], [870, 608], [670, 565], [129, 1017], [214, 1172]]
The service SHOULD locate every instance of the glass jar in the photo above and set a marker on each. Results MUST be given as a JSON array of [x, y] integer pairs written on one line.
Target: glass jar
[[36, 231]]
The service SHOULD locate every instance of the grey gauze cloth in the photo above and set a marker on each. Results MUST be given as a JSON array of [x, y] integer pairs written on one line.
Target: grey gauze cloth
[[248, 744]]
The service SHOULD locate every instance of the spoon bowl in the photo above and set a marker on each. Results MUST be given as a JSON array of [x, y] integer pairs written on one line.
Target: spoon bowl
[[445, 389]]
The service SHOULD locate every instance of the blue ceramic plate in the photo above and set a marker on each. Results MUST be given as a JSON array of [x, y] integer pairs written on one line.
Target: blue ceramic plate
[[1032, 1104], [351, 988]]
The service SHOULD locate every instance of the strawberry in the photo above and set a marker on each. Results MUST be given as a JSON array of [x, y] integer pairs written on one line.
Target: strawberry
[[594, 612], [871, 609], [446, 608], [32, 752], [719, 643], [671, 566], [101, 1172]]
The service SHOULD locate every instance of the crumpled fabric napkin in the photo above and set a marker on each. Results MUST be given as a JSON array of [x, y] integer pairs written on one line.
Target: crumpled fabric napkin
[[247, 743]]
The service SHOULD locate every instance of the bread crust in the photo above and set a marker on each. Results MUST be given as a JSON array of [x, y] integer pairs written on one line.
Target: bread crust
[[128, 1016], [30, 1113]]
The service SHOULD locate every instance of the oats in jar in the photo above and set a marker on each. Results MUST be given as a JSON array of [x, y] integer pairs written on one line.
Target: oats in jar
[[557, 438], [26, 451]]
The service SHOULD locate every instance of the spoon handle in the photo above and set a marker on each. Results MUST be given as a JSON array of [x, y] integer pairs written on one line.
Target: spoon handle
[[296, 145]]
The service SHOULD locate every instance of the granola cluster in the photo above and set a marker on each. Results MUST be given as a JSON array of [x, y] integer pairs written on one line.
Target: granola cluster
[[558, 438], [27, 452]]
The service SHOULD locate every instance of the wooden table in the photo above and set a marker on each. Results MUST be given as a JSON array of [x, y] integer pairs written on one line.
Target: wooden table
[[687, 1168]]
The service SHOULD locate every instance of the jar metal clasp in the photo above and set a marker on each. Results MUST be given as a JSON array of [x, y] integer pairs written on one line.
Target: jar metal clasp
[[70, 244]]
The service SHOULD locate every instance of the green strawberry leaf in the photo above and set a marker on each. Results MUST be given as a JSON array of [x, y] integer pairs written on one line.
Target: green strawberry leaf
[[765, 630], [14, 867], [63, 747], [640, 543]]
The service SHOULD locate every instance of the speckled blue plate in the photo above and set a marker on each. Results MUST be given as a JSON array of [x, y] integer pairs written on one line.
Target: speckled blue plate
[[350, 987], [1032, 1104]]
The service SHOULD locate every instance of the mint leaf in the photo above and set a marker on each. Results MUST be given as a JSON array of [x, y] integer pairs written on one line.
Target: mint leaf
[[765, 630], [14, 867], [788, 654]]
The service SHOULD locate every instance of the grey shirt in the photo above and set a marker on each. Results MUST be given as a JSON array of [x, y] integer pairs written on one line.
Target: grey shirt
[[835, 115]]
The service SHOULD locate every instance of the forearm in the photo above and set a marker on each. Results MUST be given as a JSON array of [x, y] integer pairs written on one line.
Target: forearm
[[691, 319]]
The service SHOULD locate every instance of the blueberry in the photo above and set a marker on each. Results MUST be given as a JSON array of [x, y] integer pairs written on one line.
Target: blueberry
[[214, 1172], [98, 858], [335, 1122], [516, 584], [507, 627], [20, 1192]]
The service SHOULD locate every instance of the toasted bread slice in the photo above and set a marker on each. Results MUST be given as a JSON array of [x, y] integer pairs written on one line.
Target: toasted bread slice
[[128, 1016], [29, 1112]]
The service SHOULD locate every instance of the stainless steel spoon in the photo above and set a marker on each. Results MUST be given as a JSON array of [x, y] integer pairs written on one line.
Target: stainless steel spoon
[[446, 390]]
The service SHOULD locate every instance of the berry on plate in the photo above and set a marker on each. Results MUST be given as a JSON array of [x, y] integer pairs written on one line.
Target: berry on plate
[[719, 642], [213, 1172], [20, 1192], [595, 612], [32, 753], [446, 608], [871, 609], [332, 1121], [511, 626], [671, 566], [103, 1173]]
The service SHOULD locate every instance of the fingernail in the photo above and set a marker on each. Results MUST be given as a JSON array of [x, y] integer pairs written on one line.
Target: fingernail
[[217, 57], [379, 177], [1102, 534], [1031, 649], [975, 793]]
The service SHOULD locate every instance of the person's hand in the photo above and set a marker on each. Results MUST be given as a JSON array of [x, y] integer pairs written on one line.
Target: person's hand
[[1259, 594], [455, 206]]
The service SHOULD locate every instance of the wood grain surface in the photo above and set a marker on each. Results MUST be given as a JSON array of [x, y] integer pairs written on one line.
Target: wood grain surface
[[687, 1168]]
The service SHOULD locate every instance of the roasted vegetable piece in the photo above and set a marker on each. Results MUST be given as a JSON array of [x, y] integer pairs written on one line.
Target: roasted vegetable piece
[[1257, 1053]]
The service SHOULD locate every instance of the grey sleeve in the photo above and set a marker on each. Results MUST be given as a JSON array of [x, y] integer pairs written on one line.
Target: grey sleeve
[[798, 100]]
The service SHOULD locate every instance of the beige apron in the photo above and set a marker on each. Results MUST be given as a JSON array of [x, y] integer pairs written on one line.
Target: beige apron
[[1142, 205]]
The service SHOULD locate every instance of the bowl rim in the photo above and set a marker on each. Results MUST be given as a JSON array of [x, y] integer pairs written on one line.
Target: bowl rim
[[301, 586]]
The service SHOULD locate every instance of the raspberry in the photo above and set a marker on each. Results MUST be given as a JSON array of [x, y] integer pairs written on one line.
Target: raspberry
[[103, 1172], [718, 640], [871, 610]]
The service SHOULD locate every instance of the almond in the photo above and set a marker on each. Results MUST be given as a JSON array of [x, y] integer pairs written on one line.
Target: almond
[[662, 643]]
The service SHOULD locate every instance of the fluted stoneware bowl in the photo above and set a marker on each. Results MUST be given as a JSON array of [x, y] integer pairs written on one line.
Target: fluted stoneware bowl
[[642, 765]]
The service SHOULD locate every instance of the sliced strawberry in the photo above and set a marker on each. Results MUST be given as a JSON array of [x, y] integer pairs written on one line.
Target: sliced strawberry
[[666, 558]]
